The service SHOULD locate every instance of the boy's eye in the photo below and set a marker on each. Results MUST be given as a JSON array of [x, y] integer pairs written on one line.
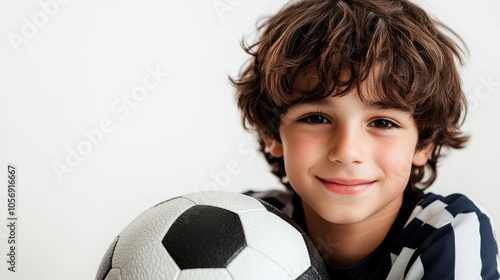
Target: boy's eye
[[315, 119], [382, 123]]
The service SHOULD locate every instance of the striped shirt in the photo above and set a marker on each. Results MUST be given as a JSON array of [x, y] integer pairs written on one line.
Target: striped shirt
[[433, 237]]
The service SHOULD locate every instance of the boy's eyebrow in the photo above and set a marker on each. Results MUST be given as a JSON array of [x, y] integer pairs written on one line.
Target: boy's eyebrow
[[384, 106], [368, 104]]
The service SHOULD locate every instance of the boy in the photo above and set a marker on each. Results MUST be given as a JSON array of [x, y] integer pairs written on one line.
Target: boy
[[353, 101]]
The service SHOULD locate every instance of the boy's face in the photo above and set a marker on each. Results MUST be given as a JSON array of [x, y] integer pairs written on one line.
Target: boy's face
[[348, 159]]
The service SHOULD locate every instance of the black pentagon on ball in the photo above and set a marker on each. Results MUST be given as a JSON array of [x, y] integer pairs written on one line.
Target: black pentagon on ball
[[205, 237]]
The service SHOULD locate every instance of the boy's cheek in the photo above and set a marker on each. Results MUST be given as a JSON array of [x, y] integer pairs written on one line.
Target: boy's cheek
[[397, 171]]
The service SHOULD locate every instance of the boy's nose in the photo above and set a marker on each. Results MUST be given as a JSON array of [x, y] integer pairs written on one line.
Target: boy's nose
[[346, 146]]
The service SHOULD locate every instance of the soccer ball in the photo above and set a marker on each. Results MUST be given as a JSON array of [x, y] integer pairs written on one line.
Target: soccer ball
[[212, 235]]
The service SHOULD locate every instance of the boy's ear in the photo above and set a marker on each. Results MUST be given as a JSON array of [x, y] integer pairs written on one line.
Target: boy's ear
[[274, 146], [421, 156]]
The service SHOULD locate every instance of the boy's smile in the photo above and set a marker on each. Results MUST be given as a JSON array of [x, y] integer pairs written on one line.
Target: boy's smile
[[348, 159], [346, 186]]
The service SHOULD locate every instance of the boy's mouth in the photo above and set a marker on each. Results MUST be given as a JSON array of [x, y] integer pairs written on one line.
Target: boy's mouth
[[346, 186]]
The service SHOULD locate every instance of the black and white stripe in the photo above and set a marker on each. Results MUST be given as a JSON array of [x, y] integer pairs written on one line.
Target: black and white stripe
[[449, 237]]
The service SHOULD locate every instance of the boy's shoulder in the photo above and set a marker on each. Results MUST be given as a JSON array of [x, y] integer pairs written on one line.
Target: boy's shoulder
[[447, 236], [437, 210]]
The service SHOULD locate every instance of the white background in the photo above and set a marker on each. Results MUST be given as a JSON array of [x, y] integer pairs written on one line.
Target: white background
[[63, 77]]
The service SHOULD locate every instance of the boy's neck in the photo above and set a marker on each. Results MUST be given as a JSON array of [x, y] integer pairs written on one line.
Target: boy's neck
[[344, 245]]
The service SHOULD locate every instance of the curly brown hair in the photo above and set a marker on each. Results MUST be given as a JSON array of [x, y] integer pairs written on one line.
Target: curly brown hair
[[416, 63]]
